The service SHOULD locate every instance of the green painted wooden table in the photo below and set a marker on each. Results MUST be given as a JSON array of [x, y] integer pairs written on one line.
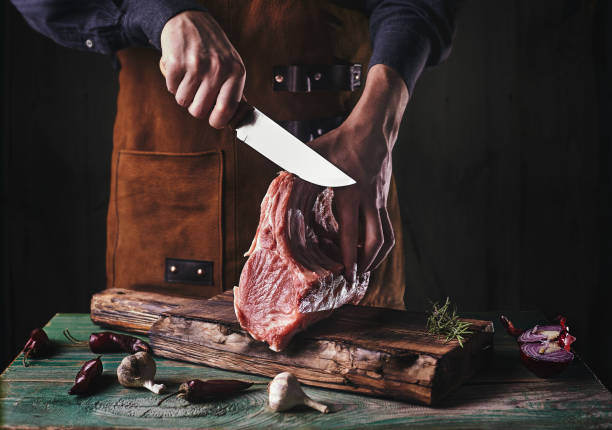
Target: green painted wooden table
[[502, 395]]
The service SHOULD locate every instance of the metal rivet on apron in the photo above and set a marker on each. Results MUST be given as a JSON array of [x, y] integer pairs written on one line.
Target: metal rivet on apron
[[89, 43], [173, 269], [317, 76], [200, 272], [279, 78]]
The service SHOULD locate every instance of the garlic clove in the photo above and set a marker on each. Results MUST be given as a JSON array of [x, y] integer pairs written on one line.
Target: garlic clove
[[285, 392], [138, 370]]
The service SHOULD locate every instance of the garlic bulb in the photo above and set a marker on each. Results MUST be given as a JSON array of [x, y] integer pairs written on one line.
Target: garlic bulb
[[138, 370], [285, 392]]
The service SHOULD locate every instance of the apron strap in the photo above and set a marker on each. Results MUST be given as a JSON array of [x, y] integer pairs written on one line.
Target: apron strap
[[189, 271], [317, 77]]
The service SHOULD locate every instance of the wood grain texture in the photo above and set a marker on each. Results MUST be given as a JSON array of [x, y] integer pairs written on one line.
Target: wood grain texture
[[501, 396], [360, 349], [133, 311]]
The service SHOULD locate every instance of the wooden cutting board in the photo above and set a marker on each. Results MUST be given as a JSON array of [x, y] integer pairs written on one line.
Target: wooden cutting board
[[367, 350]]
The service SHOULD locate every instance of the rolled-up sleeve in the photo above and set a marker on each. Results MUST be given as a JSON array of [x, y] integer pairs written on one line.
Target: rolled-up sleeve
[[102, 26], [409, 35]]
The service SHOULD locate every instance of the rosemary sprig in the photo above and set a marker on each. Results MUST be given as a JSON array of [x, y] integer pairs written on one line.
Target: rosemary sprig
[[443, 320]]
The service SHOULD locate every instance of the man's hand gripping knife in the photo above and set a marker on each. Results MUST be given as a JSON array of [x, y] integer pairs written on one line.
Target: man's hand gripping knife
[[202, 68]]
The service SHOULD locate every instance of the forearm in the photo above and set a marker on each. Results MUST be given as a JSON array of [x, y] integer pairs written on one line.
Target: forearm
[[145, 19], [382, 103], [75, 24], [409, 35], [362, 147], [102, 26]]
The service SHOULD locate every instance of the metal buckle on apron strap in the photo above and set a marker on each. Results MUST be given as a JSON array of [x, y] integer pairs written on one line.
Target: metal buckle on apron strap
[[309, 129], [317, 77]]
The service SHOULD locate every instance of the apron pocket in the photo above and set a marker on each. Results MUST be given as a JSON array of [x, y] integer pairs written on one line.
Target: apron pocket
[[168, 209]]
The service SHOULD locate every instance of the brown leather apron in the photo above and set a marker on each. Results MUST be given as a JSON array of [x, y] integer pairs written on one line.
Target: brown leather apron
[[181, 190]]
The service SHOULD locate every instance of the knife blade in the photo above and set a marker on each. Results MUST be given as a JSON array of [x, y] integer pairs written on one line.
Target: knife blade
[[272, 141]]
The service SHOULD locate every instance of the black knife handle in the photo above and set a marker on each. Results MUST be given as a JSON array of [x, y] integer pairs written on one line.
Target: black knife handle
[[244, 109]]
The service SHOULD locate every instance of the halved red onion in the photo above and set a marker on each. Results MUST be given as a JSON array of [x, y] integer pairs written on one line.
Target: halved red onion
[[544, 349], [546, 358], [540, 333]]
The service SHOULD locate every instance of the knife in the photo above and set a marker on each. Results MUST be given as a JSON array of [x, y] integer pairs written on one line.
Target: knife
[[281, 147], [284, 149]]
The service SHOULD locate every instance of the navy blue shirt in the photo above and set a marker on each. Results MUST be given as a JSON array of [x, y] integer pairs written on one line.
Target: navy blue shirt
[[407, 35]]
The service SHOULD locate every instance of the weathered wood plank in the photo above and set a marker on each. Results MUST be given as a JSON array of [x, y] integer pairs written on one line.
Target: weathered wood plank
[[359, 349], [135, 313], [37, 396], [369, 327]]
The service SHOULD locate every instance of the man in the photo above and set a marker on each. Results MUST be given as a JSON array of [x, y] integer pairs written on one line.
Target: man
[[184, 194]]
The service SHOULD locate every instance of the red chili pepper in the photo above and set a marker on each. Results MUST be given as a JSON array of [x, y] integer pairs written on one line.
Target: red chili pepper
[[37, 344], [512, 331], [196, 390], [108, 341], [565, 339], [88, 374], [562, 320]]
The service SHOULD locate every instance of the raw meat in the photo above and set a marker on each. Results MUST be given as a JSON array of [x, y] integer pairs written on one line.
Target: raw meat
[[293, 277]]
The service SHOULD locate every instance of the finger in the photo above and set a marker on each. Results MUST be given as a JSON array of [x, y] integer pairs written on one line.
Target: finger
[[173, 73], [162, 66], [203, 100], [373, 237], [187, 89], [227, 102], [348, 221], [389, 239]]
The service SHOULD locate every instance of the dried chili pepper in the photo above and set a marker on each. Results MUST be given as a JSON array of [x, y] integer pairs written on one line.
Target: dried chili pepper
[[196, 390], [88, 374], [108, 341], [37, 344], [565, 339], [512, 331]]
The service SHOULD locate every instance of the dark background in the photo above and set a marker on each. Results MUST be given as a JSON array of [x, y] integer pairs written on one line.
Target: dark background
[[503, 167]]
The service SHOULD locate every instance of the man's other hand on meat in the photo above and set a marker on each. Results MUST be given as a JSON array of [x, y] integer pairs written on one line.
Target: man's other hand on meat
[[206, 75]]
